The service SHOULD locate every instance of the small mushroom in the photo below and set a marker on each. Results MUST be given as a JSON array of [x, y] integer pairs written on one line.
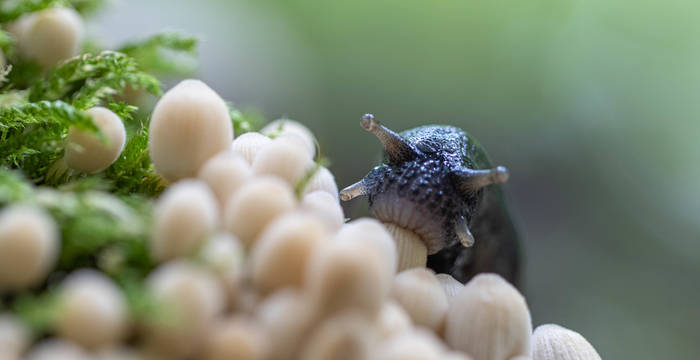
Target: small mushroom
[[554, 342], [89, 153], [322, 180], [184, 215], [283, 159], [92, 311], [225, 173], [489, 320], [420, 294], [238, 338], [281, 127], [344, 336], [255, 205], [392, 320], [449, 285], [249, 144], [14, 336], [411, 345], [287, 317], [29, 246], [189, 125], [223, 255], [49, 36], [325, 207], [54, 349]]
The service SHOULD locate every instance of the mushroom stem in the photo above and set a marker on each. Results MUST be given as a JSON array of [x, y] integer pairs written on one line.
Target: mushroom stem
[[410, 248], [357, 189], [397, 149], [470, 180]]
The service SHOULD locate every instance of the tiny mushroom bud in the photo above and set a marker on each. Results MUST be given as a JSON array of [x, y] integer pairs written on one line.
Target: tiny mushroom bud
[[347, 275], [322, 180], [553, 342], [280, 256], [92, 310], [54, 349], [86, 151], [489, 320], [392, 320], [255, 205], [347, 335], [411, 345], [184, 216], [372, 233], [286, 317], [225, 173], [282, 127], [248, 145], [50, 36], [411, 249], [191, 298], [223, 254], [29, 246], [325, 207], [449, 285], [14, 336], [236, 338], [189, 125], [420, 294], [283, 159]]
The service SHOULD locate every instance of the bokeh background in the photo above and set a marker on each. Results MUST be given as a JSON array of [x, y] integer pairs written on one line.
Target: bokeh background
[[593, 105]]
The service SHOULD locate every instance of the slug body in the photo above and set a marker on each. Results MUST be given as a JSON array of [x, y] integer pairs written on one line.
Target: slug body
[[432, 182]]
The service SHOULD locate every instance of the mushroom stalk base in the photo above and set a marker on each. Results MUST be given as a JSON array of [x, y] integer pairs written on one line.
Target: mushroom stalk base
[[410, 248]]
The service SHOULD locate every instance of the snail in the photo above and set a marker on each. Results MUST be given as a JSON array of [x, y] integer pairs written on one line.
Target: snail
[[438, 195]]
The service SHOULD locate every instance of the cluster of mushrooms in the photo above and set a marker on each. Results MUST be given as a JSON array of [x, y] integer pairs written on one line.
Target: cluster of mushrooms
[[251, 266]]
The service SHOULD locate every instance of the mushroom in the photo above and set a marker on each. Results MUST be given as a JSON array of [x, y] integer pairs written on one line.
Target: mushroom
[[284, 159], [283, 127], [325, 207], [14, 336], [489, 320], [392, 320], [420, 294], [554, 342], [414, 344], [54, 349], [49, 36], [225, 173], [238, 338], [189, 125], [346, 335], [249, 144], [449, 285], [86, 151], [29, 246], [184, 216], [287, 317], [223, 255], [92, 311], [322, 180]]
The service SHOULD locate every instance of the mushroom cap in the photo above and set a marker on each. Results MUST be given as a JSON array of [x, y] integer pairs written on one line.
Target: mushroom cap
[[29, 246], [322, 180], [89, 153], [236, 338], [284, 159], [554, 342], [14, 336], [189, 125], [282, 127], [325, 207], [55, 349], [51, 35], [249, 144], [420, 294], [348, 335], [225, 173]]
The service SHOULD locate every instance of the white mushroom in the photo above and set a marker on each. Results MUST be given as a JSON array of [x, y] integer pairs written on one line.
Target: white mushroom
[[88, 152], [14, 336], [392, 320], [49, 36], [54, 349], [553, 342], [325, 207], [223, 255], [236, 338], [344, 336], [420, 294], [29, 246], [281, 127], [287, 317], [189, 125], [411, 345], [322, 180], [284, 159], [92, 310], [249, 144], [184, 216], [449, 285], [225, 173]]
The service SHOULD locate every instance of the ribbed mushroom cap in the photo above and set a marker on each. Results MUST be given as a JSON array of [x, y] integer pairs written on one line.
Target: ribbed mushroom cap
[[281, 127], [50, 36], [256, 204], [189, 125], [281, 254], [286, 160], [420, 294], [348, 335], [54, 349], [323, 180], [249, 144], [184, 216], [374, 234], [225, 173], [89, 153], [450, 286], [191, 299], [554, 342], [29, 246], [237, 338], [92, 311], [489, 320], [325, 207]]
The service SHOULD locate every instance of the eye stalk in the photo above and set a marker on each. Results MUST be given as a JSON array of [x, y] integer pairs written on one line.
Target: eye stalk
[[397, 149], [469, 180]]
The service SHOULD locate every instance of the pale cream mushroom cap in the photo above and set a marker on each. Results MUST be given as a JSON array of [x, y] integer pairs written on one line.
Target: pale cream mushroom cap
[[347, 335], [92, 310], [184, 216], [225, 173], [55, 349], [255, 205], [119, 353], [50, 36], [489, 320], [411, 345], [323, 180], [281, 254], [287, 317], [284, 159], [192, 299], [392, 320], [449, 285], [14, 336], [223, 255], [249, 144], [554, 342], [86, 151], [281, 127], [29, 246], [420, 294], [189, 125], [237, 338], [325, 207], [371, 232]]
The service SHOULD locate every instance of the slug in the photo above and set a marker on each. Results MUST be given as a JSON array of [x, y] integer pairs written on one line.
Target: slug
[[438, 183]]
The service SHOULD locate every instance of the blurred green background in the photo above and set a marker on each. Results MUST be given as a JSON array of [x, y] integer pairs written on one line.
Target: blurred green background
[[593, 105]]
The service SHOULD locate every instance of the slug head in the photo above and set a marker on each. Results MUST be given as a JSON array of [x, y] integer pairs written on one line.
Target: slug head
[[427, 183]]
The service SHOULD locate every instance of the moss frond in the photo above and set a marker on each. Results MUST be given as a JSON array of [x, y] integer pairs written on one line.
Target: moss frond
[[162, 53]]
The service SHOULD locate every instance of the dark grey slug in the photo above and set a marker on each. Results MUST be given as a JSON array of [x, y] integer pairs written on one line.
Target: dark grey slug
[[438, 182]]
